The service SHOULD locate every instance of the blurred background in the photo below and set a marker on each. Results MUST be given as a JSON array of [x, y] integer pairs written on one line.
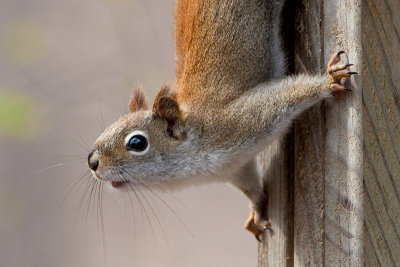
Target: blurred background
[[65, 67]]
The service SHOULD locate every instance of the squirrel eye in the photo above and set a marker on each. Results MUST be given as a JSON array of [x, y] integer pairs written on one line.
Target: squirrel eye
[[137, 143]]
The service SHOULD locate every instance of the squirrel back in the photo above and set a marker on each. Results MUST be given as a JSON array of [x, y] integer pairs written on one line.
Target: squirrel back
[[226, 47]]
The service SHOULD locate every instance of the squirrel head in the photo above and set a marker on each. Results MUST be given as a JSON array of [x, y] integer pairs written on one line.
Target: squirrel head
[[142, 146]]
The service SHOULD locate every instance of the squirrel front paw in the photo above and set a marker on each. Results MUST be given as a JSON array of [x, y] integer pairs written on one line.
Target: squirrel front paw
[[337, 72]]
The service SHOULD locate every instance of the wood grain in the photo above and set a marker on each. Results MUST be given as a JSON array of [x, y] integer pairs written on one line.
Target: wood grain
[[381, 113], [309, 144], [344, 219], [277, 248], [328, 153]]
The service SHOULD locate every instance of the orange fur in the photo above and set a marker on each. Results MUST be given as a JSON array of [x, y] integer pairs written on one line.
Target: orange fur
[[222, 48]]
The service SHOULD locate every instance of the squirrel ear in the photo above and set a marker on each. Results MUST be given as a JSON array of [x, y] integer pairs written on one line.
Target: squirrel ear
[[138, 100], [166, 108], [165, 105]]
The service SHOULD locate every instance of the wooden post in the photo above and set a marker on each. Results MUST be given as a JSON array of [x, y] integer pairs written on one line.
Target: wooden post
[[381, 118], [316, 192]]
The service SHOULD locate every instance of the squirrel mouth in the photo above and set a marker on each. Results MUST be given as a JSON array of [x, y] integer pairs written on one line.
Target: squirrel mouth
[[118, 184], [115, 184]]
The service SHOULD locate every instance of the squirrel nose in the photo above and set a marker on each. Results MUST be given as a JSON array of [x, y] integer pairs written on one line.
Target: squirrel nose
[[93, 161]]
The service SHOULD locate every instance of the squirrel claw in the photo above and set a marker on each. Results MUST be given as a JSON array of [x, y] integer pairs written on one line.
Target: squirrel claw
[[335, 59], [259, 238], [337, 72], [257, 226]]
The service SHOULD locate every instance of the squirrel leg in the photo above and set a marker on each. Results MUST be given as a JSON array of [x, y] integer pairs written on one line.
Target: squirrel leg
[[267, 110], [248, 180], [276, 104]]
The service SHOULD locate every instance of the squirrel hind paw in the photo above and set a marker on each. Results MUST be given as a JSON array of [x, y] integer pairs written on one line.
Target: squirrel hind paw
[[256, 225]]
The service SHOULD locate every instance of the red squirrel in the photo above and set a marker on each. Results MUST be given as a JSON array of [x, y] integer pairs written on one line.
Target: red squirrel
[[229, 101]]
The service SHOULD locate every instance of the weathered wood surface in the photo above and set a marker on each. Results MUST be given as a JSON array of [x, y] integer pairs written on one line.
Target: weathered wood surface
[[344, 209], [327, 209], [278, 181], [278, 162], [381, 113], [309, 143]]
